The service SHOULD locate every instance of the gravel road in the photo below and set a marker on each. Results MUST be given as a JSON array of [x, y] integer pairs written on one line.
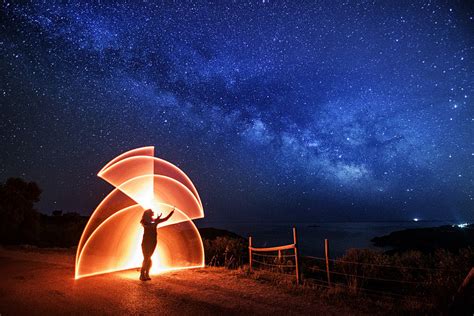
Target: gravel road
[[41, 282]]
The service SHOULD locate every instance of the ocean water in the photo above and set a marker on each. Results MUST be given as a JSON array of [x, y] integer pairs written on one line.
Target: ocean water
[[341, 235]]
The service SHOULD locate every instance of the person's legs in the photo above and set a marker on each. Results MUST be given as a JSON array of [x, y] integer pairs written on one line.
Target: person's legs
[[150, 249], [145, 264]]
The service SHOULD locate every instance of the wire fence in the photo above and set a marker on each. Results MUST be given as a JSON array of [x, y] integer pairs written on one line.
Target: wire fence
[[283, 264], [273, 256], [374, 279], [280, 259], [275, 265], [368, 278], [374, 264]]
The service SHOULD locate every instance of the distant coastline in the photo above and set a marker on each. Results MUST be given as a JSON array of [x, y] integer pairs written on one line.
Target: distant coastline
[[342, 236], [428, 239]]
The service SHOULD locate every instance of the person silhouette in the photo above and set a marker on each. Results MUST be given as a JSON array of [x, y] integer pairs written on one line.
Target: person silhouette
[[149, 240]]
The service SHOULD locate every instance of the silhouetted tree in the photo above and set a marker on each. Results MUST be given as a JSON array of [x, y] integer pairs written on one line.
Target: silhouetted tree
[[19, 220]]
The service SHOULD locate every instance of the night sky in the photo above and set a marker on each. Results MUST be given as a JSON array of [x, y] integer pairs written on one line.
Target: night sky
[[297, 110]]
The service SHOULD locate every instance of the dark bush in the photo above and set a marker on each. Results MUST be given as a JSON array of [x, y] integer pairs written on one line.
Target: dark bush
[[223, 248], [19, 220]]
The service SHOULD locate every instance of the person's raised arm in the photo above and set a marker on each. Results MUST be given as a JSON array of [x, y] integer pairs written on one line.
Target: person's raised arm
[[161, 220]]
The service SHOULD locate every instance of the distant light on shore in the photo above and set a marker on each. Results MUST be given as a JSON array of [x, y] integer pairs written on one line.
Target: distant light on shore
[[415, 219], [463, 225]]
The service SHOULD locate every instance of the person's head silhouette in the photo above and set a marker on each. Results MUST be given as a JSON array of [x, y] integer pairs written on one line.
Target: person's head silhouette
[[147, 216]]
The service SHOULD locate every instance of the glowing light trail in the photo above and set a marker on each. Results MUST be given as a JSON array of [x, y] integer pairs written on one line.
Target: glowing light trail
[[112, 237]]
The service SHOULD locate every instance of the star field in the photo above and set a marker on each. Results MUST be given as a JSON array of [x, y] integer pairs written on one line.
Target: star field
[[314, 110]]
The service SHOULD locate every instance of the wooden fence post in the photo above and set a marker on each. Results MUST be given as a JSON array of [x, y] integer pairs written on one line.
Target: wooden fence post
[[326, 251], [295, 241], [250, 254]]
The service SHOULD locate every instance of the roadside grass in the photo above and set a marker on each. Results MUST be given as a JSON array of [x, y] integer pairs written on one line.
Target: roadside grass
[[420, 282]]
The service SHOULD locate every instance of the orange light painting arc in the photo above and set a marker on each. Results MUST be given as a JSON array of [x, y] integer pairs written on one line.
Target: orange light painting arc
[[181, 244]]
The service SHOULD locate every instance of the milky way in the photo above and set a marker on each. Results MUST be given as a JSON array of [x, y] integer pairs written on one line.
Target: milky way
[[296, 110]]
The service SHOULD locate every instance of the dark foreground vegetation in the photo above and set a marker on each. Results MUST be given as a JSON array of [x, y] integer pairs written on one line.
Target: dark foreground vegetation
[[418, 280], [21, 223], [223, 248]]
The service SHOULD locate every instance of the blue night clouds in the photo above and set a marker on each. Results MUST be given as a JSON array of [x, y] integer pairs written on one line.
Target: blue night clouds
[[299, 110]]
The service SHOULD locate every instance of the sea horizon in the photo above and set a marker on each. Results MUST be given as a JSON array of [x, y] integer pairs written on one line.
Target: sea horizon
[[342, 235]]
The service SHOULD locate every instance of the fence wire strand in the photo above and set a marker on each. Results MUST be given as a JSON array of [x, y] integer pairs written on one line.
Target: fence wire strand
[[372, 264], [368, 278], [271, 271], [275, 265], [272, 256]]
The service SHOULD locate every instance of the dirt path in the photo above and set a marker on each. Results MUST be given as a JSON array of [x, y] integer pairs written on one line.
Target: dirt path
[[41, 282]]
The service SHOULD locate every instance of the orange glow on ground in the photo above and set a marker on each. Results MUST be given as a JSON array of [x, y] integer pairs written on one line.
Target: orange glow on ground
[[111, 240]]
